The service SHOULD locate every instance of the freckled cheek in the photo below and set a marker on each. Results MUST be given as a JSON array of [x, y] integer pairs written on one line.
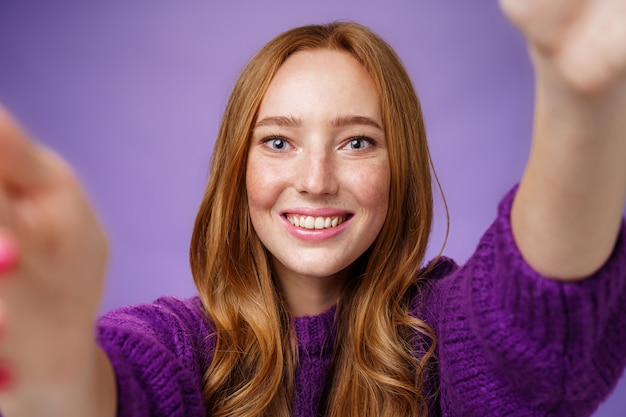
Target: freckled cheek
[[371, 188], [262, 187]]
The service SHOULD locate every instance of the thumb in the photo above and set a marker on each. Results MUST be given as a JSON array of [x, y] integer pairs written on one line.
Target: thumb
[[21, 166]]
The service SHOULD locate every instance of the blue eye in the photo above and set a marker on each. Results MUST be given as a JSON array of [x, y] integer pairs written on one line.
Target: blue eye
[[276, 143], [360, 142]]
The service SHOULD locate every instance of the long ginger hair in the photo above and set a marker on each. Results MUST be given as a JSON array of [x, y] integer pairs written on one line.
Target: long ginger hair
[[376, 368]]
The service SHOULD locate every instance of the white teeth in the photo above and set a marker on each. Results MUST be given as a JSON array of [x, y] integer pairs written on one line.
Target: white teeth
[[315, 223]]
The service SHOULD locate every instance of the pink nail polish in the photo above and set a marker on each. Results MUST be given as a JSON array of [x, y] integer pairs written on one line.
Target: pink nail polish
[[6, 378], [8, 255]]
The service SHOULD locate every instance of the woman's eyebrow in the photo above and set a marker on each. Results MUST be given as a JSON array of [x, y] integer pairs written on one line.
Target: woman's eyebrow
[[350, 120], [286, 121], [339, 121]]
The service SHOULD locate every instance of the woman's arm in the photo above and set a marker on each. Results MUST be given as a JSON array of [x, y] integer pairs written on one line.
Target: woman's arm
[[51, 281], [568, 209], [511, 342]]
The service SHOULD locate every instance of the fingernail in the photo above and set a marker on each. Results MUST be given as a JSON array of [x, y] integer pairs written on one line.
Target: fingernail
[[6, 377], [8, 254]]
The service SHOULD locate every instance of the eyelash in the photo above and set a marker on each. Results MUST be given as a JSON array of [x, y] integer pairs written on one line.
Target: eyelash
[[366, 139], [268, 139]]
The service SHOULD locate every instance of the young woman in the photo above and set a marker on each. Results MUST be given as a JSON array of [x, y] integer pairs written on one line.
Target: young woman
[[314, 298]]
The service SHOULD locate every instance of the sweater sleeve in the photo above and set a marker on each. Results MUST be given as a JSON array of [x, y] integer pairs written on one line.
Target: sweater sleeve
[[158, 352], [511, 342]]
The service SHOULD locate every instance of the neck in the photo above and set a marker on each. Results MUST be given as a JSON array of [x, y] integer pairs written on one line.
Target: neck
[[307, 295]]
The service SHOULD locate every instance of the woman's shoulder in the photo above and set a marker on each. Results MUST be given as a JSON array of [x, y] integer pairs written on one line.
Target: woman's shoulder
[[424, 294], [159, 352], [166, 308], [438, 268], [168, 320]]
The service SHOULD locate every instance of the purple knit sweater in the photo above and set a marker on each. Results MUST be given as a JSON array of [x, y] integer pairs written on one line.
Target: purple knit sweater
[[510, 342]]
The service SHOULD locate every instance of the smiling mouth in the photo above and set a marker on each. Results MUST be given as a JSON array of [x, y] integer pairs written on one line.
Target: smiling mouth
[[315, 223]]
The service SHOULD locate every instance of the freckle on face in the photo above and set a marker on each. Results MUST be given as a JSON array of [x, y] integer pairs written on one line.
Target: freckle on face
[[317, 172]]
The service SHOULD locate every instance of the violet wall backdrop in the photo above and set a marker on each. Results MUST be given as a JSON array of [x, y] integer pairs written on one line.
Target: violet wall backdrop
[[131, 94]]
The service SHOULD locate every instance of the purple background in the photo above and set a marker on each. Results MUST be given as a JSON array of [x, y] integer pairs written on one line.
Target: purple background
[[132, 93]]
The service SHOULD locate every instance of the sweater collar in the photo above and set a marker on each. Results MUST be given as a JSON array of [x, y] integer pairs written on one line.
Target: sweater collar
[[316, 333]]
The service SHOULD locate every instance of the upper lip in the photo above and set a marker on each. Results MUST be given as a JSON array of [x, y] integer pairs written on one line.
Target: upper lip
[[316, 212]]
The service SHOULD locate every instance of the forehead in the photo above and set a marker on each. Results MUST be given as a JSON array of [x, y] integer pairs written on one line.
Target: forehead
[[321, 83]]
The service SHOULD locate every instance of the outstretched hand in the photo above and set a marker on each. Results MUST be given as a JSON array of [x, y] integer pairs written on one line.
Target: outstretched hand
[[583, 41], [52, 263], [568, 208]]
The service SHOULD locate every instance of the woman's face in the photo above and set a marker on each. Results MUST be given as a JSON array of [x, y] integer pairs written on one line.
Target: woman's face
[[318, 169]]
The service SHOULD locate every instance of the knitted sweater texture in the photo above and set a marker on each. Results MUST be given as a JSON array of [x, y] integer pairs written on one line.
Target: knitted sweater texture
[[510, 342]]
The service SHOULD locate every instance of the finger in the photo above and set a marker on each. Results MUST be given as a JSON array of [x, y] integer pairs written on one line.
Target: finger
[[544, 23], [8, 253], [6, 373], [6, 213], [8, 244], [21, 167]]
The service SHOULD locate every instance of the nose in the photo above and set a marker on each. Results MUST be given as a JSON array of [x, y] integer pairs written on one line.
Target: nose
[[317, 174]]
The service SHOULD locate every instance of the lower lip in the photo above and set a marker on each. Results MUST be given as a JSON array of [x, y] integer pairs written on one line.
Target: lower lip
[[315, 235]]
